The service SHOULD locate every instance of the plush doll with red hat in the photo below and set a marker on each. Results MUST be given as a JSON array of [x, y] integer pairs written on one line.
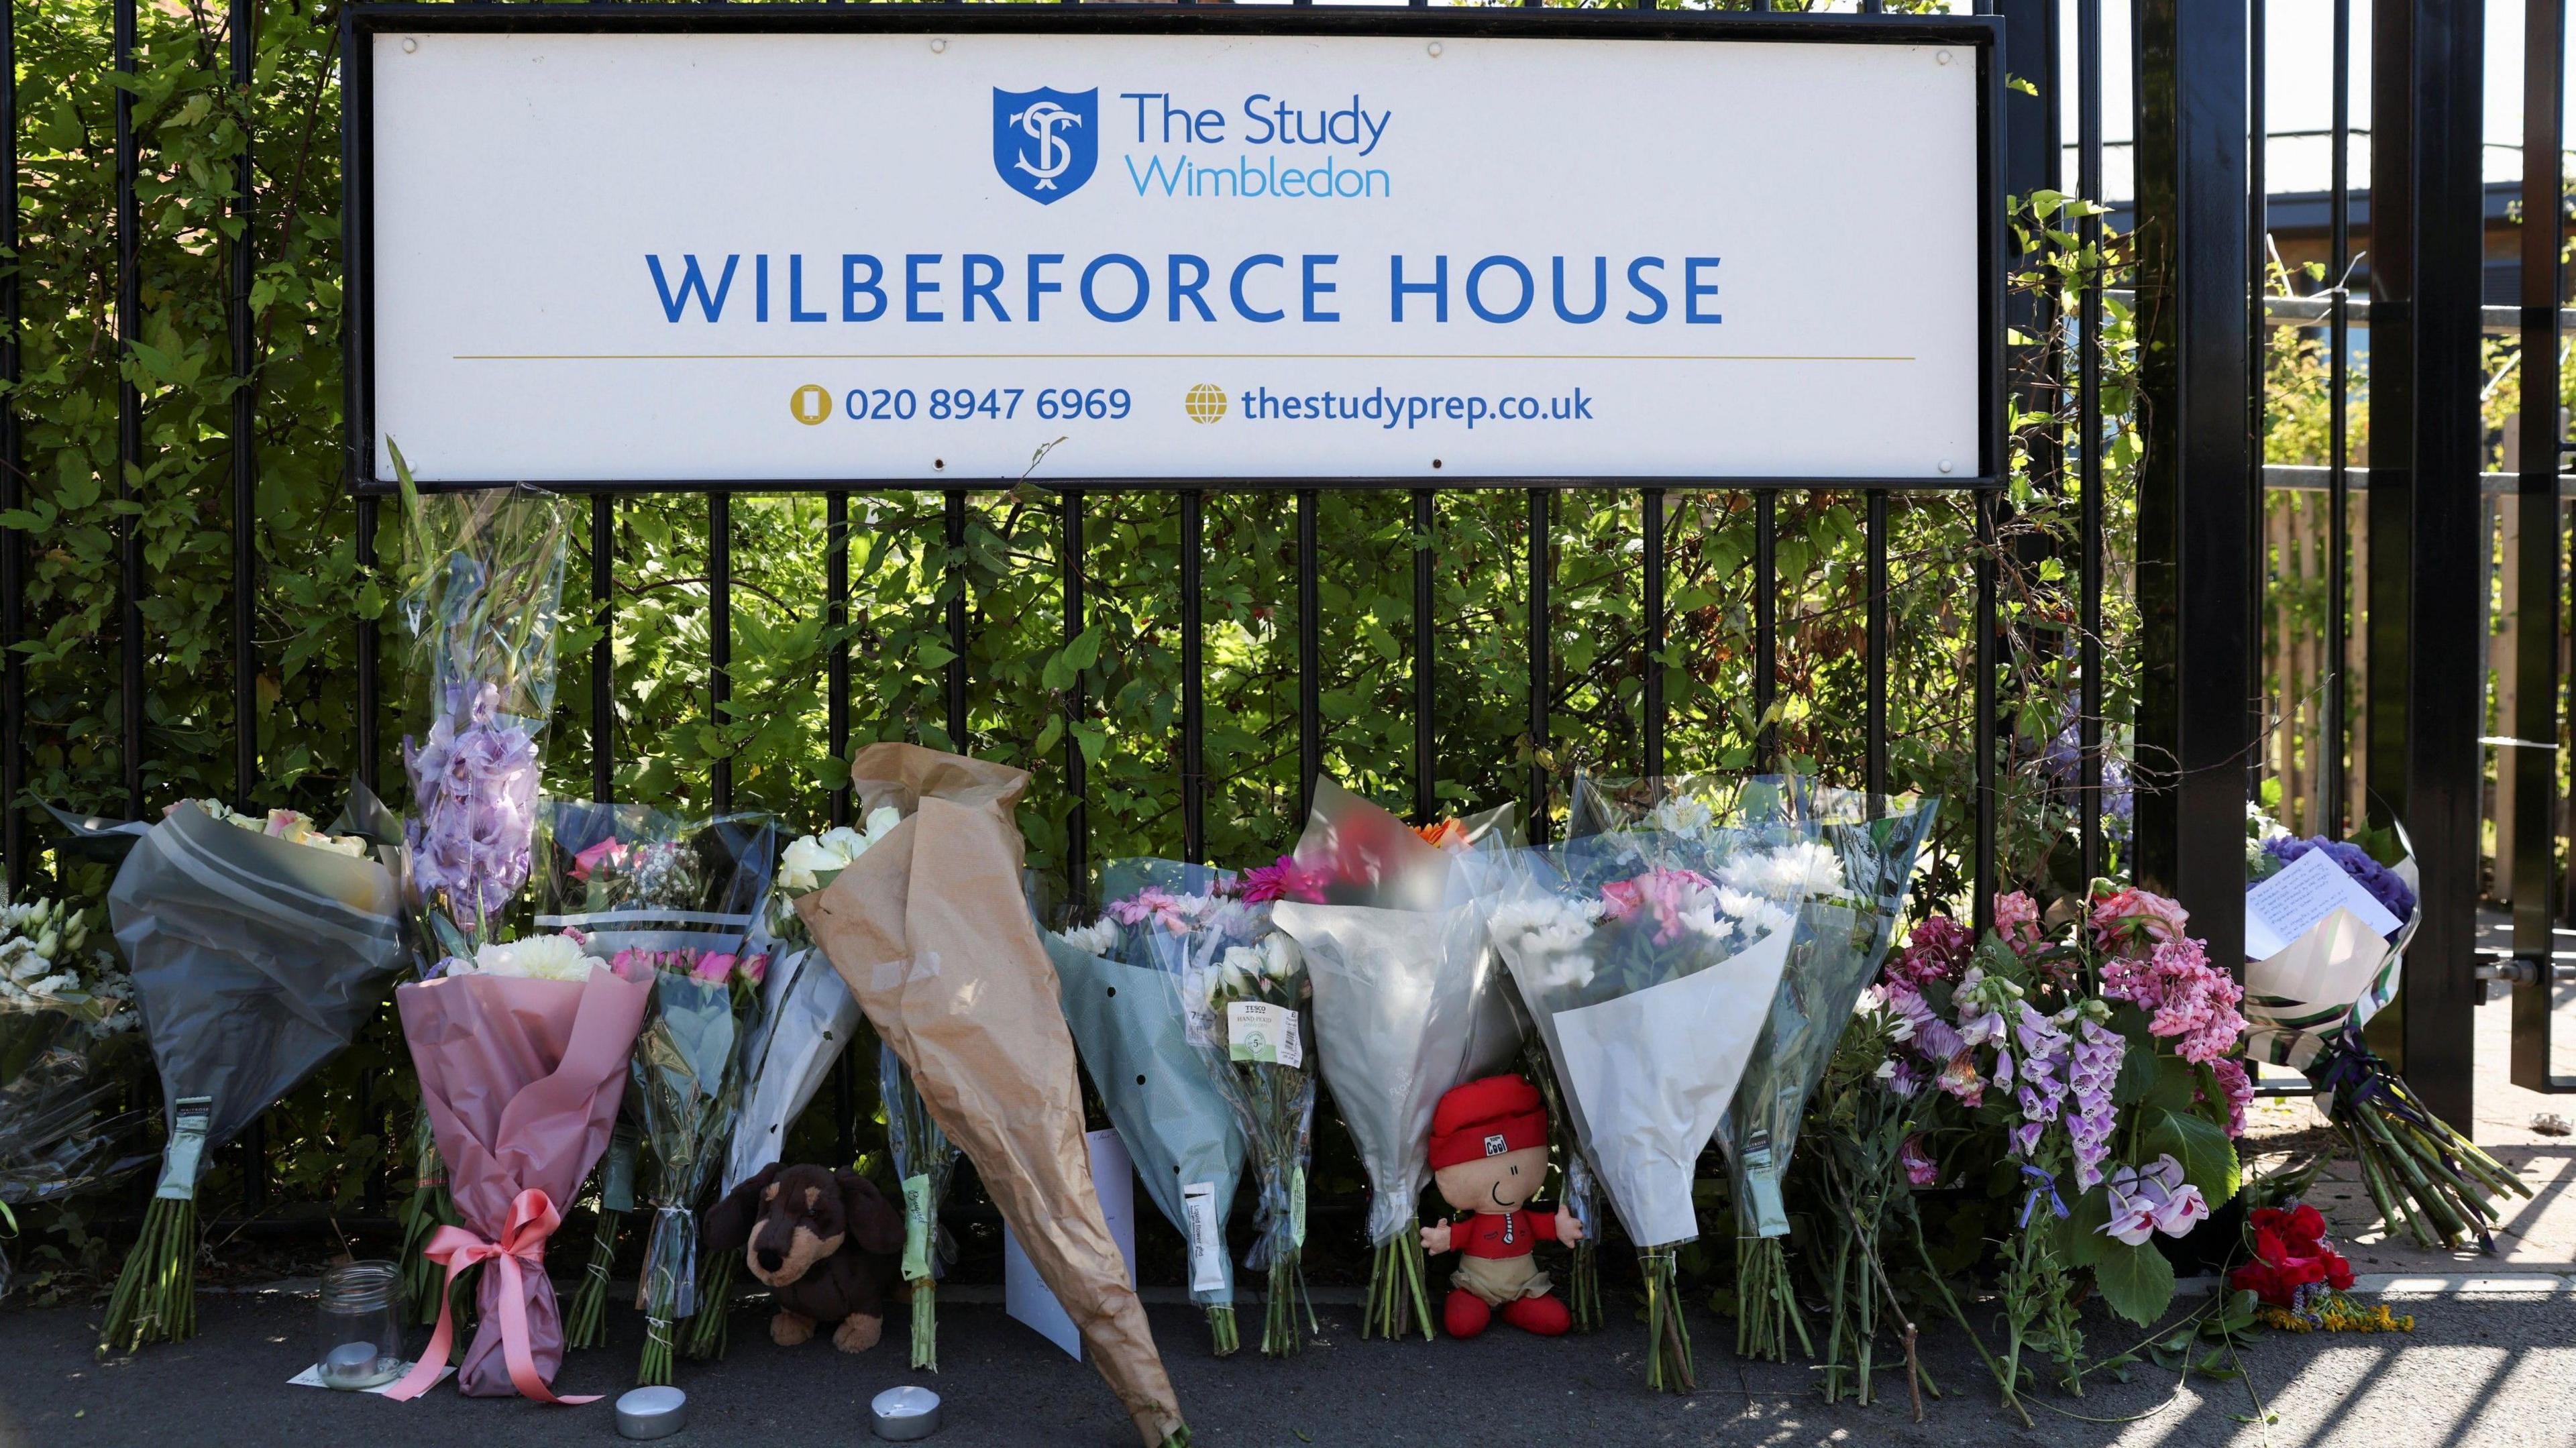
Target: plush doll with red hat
[[1488, 1156]]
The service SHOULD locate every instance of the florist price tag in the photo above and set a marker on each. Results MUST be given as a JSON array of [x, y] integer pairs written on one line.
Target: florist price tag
[[1207, 1243], [917, 1217], [1260, 1031]]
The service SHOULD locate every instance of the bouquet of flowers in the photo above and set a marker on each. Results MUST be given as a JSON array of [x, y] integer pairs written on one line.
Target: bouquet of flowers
[[257, 949], [804, 1023], [1407, 995], [522, 1051], [1647, 980], [2101, 1067], [1169, 1111], [932, 933], [1242, 993], [1848, 858], [62, 999], [673, 902], [2299, 1280], [483, 590], [2326, 928]]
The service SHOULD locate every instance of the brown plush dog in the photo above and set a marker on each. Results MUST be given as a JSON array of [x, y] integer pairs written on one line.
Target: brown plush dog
[[826, 1243]]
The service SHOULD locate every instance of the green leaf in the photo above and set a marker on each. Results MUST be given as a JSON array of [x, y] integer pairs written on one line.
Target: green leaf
[[1049, 736], [2137, 1282], [2208, 1158]]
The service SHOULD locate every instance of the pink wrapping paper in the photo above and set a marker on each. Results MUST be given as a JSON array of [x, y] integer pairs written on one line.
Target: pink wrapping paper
[[522, 1080]]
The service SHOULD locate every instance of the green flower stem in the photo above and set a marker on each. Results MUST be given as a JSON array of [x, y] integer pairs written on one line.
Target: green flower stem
[[1583, 1285], [925, 1324], [1397, 1300], [586, 1324], [156, 1295], [705, 1338], [654, 1368], [1766, 1301], [1222, 1337], [1669, 1367]]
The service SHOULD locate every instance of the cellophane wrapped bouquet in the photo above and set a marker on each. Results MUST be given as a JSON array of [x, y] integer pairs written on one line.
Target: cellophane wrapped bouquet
[[2309, 997], [65, 1021], [1127, 1019], [1409, 1001], [1243, 996], [2098, 1065], [1648, 979], [1848, 859], [674, 902], [482, 603], [258, 947], [805, 1021]]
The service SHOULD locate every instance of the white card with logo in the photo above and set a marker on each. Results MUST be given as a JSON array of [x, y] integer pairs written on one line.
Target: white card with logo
[[1260, 1031]]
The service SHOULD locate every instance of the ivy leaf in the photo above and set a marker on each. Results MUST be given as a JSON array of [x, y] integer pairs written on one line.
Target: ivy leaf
[[2137, 1282]]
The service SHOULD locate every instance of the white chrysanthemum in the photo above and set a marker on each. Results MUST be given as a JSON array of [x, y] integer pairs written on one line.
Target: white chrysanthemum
[[1097, 938], [1682, 815], [1552, 937], [1752, 913], [538, 957], [1791, 872]]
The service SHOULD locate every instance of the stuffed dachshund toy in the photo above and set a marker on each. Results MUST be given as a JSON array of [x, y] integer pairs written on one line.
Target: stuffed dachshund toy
[[826, 1244], [1488, 1157]]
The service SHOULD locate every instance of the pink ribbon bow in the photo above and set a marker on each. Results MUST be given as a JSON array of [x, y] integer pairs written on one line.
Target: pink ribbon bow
[[523, 1242]]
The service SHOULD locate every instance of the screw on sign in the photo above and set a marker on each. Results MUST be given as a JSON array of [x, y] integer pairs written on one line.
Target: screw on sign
[[1205, 402]]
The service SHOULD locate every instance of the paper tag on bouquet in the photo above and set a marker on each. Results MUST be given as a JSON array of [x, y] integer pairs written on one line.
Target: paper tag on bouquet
[[1260, 1031], [1207, 1239], [187, 1148], [916, 1228]]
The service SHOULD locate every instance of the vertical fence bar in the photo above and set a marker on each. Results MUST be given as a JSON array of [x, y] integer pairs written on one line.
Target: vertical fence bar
[[1766, 627], [2535, 804], [2258, 282], [1426, 751], [2195, 660], [1985, 723], [603, 650], [2088, 433], [1310, 660], [245, 469], [1651, 701], [1077, 819], [720, 637], [955, 524], [2338, 424], [1541, 666], [1193, 686], [2428, 549], [1874, 762], [129, 419], [836, 725], [13, 548]]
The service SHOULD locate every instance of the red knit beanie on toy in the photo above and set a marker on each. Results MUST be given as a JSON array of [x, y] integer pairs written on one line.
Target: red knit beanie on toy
[[1487, 1118]]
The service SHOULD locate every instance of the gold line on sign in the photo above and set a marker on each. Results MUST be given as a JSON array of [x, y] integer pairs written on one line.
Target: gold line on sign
[[1150, 357]]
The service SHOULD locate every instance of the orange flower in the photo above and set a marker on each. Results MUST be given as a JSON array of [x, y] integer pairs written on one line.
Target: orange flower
[[1446, 835]]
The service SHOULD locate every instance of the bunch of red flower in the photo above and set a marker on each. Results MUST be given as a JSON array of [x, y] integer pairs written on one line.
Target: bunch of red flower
[[2291, 1258]]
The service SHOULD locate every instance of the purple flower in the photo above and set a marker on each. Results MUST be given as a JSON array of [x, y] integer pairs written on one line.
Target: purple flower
[[2045, 1052], [2151, 1199], [2094, 1068], [475, 789]]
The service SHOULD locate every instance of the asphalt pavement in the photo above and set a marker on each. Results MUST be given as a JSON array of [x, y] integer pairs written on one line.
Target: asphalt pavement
[[2497, 1367]]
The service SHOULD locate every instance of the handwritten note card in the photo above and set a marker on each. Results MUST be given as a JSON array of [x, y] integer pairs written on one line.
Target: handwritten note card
[[2312, 887]]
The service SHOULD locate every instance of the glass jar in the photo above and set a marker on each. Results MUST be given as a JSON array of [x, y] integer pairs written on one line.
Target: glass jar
[[359, 1340]]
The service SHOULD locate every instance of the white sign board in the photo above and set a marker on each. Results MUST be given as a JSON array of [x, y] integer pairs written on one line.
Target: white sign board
[[634, 255]]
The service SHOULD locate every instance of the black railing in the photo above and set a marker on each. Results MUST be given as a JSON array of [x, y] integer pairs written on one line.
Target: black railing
[[2201, 245]]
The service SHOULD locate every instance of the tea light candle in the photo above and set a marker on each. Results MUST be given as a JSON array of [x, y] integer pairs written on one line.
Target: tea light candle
[[656, 1412], [350, 1365], [903, 1414]]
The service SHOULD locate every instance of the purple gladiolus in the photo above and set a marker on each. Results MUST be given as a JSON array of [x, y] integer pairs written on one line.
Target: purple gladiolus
[[474, 791]]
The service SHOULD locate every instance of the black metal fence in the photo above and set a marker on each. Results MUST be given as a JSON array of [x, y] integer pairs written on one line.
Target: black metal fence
[[2199, 239]]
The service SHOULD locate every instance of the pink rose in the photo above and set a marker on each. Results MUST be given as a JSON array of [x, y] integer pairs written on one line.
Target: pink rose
[[756, 969], [712, 967], [588, 860], [631, 964]]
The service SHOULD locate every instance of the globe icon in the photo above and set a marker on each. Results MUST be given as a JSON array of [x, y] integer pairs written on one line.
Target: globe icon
[[1205, 403]]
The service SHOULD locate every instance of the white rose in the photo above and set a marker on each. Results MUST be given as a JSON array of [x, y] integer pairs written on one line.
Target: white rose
[[880, 822], [798, 864]]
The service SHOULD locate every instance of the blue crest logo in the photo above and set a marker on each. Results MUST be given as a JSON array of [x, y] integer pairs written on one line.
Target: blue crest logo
[[1046, 142]]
